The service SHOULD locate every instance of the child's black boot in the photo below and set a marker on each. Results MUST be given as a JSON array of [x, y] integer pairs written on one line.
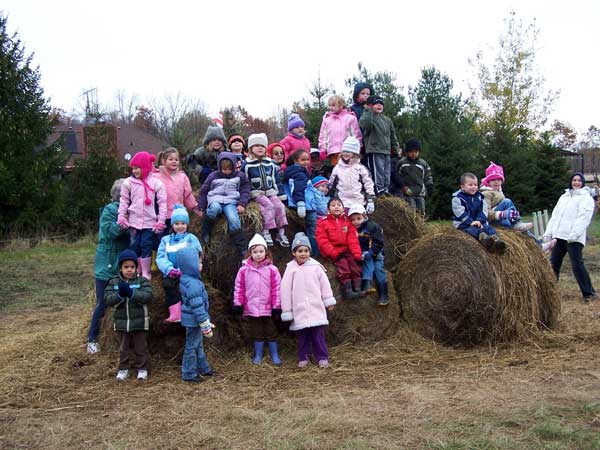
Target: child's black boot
[[207, 226], [239, 240], [499, 244], [357, 288], [347, 291], [487, 241], [383, 296]]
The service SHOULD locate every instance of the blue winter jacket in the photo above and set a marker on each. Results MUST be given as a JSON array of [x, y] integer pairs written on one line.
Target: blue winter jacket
[[298, 188], [263, 175], [194, 298], [170, 245], [468, 208]]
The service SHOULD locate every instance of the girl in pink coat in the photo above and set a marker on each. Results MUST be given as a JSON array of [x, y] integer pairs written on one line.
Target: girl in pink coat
[[338, 123], [257, 296], [295, 139], [305, 296], [140, 194]]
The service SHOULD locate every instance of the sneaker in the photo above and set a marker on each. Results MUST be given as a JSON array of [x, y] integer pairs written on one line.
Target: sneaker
[[589, 298], [303, 364], [122, 375], [282, 240], [523, 226], [210, 373], [92, 348], [268, 238], [142, 375], [548, 246], [323, 364], [193, 380]]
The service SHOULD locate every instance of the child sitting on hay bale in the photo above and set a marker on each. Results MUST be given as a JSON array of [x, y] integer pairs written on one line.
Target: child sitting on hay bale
[[370, 237], [130, 294], [305, 296], [338, 241], [204, 159], [470, 214]]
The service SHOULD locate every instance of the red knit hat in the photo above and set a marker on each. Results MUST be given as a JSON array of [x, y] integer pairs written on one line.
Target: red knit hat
[[144, 161], [270, 148]]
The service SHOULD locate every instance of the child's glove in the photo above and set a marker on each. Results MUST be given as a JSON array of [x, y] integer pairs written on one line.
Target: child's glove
[[367, 255], [206, 328], [238, 310], [122, 222], [124, 289], [158, 227], [370, 207], [301, 210], [175, 273]]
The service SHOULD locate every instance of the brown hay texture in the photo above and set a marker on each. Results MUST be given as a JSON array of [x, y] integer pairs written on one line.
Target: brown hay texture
[[456, 292]]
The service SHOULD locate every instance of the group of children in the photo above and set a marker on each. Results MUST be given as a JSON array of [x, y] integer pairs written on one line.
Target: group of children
[[329, 188]]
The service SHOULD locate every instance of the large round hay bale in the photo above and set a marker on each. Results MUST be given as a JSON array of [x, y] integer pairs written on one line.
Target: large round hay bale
[[456, 292]]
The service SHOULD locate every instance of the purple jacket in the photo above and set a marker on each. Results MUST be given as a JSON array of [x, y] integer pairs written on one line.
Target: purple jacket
[[335, 128], [257, 288], [233, 188]]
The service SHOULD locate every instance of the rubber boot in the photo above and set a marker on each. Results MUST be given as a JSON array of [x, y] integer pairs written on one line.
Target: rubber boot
[[274, 353], [239, 241], [154, 267], [174, 313], [258, 352], [145, 264], [207, 226], [367, 287], [499, 244], [487, 241], [382, 290], [356, 287], [347, 291]]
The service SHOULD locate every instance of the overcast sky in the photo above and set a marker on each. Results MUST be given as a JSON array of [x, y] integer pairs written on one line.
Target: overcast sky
[[265, 54]]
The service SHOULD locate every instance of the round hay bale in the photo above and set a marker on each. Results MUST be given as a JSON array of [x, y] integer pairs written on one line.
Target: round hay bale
[[454, 291]]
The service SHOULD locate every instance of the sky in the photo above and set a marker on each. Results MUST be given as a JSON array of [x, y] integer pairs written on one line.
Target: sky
[[264, 55]]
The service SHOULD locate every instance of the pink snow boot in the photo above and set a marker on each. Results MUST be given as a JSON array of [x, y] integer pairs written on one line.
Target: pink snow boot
[[174, 313], [145, 265]]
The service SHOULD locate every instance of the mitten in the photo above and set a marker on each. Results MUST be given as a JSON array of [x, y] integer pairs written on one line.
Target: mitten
[[408, 191], [367, 255], [301, 210], [276, 313], [238, 310], [124, 289], [206, 328], [123, 223], [175, 273], [370, 207], [158, 227]]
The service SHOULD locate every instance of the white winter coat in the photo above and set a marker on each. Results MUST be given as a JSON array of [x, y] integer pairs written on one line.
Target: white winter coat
[[571, 216]]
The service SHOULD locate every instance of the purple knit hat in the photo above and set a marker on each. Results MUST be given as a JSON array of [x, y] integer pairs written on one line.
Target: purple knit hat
[[294, 121]]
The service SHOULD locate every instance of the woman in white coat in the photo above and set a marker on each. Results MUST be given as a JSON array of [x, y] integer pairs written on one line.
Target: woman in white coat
[[571, 216]]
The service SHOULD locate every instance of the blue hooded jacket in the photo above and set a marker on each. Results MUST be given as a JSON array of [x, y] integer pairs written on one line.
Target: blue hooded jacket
[[194, 298]]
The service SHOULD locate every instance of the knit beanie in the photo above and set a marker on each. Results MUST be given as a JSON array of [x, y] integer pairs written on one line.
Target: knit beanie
[[180, 214], [351, 145], [301, 239], [412, 144], [270, 148], [375, 100], [128, 255], [294, 121], [493, 172], [359, 87], [257, 240], [234, 138], [144, 161], [319, 181], [212, 133], [257, 139]]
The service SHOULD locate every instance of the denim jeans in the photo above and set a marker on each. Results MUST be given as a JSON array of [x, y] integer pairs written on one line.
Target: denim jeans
[[373, 267], [229, 209], [141, 242], [505, 204], [310, 228], [575, 250], [417, 203], [194, 359], [99, 310]]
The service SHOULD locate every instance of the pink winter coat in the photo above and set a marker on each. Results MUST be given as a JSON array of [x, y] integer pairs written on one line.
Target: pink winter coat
[[132, 206], [291, 143], [257, 288], [305, 293], [178, 188], [335, 128], [351, 180]]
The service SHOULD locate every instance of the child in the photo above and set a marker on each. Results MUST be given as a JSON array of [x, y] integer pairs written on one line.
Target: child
[[130, 295], [237, 145], [295, 139], [140, 193], [204, 159], [379, 137], [275, 152], [413, 176], [338, 123], [194, 316], [362, 91], [470, 214], [166, 259], [317, 166], [263, 176], [350, 180], [338, 241], [501, 210], [320, 188], [225, 191], [305, 293], [370, 238], [112, 240], [257, 296], [296, 183]]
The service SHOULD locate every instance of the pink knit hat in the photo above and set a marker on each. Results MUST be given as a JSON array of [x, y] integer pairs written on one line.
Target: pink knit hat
[[144, 161], [493, 172]]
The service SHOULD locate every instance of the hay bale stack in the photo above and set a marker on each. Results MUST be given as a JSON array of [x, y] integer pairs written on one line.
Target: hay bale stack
[[454, 291]]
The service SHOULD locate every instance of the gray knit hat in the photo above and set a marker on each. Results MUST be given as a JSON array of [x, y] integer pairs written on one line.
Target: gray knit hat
[[299, 240]]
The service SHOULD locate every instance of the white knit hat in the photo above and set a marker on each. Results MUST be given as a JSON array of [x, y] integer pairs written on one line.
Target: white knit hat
[[258, 139], [257, 240], [351, 145], [356, 209]]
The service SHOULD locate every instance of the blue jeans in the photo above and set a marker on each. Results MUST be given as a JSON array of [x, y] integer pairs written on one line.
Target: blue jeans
[[373, 267], [229, 209], [310, 228], [417, 203], [141, 242], [194, 359], [99, 310], [476, 231], [505, 204]]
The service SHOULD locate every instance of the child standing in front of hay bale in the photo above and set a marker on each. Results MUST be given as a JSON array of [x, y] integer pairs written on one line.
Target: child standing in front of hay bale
[[338, 123], [305, 296], [140, 194], [257, 296], [166, 259], [129, 294], [412, 175], [350, 180], [194, 316], [338, 241], [264, 180], [370, 238], [470, 214]]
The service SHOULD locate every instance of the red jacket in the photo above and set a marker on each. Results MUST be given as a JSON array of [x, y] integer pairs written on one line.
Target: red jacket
[[336, 236]]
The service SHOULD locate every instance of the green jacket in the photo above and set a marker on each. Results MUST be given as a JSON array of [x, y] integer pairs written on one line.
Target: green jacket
[[379, 135], [112, 240], [130, 314]]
